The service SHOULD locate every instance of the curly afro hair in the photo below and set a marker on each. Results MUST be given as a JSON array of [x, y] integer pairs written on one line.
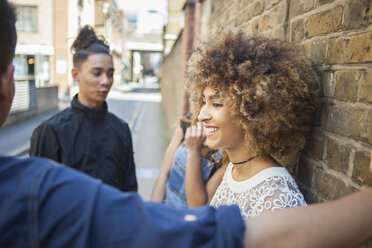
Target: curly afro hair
[[268, 84]]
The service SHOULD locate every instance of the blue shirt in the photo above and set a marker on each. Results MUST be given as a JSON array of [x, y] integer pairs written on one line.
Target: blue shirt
[[43, 204], [175, 191]]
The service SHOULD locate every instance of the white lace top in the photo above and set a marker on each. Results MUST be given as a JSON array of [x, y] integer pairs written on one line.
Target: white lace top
[[271, 189]]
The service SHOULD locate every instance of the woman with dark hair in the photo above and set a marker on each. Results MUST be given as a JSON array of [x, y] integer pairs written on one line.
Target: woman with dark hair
[[86, 136], [254, 97]]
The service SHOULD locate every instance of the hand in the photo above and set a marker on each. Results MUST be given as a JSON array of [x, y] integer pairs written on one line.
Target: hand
[[194, 137]]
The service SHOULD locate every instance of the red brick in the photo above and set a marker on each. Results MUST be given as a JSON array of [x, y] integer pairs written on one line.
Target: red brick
[[317, 50], [314, 146], [358, 14], [328, 87], [299, 7], [346, 84], [270, 3], [305, 171], [369, 127], [345, 120], [273, 18], [310, 196], [297, 30], [325, 22], [366, 88], [361, 168], [337, 155], [350, 49], [322, 2], [330, 187]]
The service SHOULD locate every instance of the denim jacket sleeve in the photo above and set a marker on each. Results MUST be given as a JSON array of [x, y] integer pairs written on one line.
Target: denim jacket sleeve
[[55, 206]]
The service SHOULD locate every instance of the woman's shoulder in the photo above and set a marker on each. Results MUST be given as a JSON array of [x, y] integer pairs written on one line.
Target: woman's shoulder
[[266, 175]]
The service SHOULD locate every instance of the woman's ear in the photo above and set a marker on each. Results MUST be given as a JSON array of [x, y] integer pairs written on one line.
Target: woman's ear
[[75, 74]]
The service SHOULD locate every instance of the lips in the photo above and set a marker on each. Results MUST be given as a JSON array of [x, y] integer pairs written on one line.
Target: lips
[[210, 130], [103, 92]]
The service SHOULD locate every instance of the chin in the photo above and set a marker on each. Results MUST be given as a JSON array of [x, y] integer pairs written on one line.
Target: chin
[[212, 145]]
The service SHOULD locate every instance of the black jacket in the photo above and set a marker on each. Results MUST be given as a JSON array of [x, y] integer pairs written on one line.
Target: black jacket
[[92, 141]]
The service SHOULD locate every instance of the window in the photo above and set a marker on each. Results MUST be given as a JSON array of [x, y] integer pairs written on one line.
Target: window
[[79, 23], [42, 71], [27, 18], [32, 67]]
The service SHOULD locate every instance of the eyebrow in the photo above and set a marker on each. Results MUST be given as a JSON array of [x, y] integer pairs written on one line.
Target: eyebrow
[[101, 69], [212, 97]]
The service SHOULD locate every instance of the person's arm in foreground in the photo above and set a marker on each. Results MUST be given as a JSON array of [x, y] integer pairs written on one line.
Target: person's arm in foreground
[[158, 192], [346, 222], [100, 216], [343, 223]]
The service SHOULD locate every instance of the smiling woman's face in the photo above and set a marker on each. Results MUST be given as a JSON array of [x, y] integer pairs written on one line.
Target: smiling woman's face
[[216, 117]]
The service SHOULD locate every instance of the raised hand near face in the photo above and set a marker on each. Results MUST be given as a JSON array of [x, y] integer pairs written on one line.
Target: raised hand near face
[[195, 137]]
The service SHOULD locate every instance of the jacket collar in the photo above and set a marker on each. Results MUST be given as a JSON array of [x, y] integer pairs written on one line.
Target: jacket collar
[[90, 113]]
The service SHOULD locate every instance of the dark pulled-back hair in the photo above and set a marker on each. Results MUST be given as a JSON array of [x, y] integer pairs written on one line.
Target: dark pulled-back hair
[[87, 43], [8, 34], [268, 84]]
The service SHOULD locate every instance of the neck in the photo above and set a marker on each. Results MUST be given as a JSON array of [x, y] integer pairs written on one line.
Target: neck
[[241, 163], [239, 154], [246, 170], [90, 104]]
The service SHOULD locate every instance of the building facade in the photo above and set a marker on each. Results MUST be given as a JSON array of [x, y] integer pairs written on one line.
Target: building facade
[[34, 51], [175, 23], [46, 31], [110, 22], [68, 20]]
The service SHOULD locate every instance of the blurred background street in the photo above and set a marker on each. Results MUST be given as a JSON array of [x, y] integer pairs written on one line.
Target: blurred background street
[[138, 104], [44, 86]]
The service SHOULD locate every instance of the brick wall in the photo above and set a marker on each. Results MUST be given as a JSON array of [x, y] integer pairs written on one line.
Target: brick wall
[[172, 74], [175, 99], [188, 37], [337, 37]]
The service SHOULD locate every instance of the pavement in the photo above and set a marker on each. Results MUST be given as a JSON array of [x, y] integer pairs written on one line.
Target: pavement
[[15, 138], [148, 130], [137, 103]]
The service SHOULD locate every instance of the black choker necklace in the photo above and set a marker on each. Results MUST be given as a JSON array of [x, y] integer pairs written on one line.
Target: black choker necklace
[[245, 161]]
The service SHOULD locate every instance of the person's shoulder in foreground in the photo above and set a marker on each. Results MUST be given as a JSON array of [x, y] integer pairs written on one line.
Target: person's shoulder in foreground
[[50, 205]]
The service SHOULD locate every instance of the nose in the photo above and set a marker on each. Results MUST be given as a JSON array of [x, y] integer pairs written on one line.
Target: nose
[[204, 114], [105, 80]]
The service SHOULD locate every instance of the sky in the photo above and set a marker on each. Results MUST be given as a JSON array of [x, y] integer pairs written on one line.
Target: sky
[[152, 14], [158, 5]]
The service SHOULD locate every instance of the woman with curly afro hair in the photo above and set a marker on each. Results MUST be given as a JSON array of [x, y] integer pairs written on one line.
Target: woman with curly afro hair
[[255, 98]]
